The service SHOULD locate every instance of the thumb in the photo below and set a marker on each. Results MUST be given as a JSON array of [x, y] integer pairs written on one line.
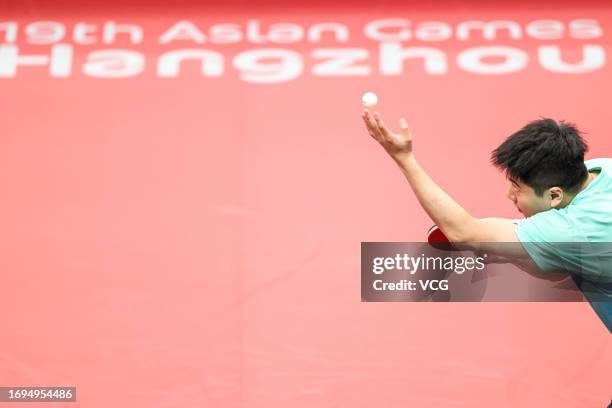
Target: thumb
[[404, 127]]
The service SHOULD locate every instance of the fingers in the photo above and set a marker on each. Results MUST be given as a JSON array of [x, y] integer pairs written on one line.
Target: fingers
[[373, 129], [367, 123], [404, 127], [379, 131], [382, 128]]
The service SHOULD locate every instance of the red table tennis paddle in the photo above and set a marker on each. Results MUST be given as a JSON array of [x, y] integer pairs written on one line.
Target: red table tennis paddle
[[437, 239]]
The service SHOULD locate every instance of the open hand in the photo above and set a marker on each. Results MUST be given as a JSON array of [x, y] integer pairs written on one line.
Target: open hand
[[397, 145]]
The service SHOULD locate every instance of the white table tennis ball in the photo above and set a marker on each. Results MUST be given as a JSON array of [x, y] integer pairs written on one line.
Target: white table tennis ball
[[369, 99]]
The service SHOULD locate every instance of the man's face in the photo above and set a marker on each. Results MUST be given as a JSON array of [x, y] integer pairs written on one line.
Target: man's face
[[525, 198]]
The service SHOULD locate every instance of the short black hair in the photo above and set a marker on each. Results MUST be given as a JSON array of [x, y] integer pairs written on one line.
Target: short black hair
[[544, 154]]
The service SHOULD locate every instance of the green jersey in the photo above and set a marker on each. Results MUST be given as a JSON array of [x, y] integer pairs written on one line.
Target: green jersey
[[578, 239]]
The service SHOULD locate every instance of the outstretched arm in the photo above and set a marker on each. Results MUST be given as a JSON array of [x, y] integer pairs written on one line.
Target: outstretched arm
[[456, 223]]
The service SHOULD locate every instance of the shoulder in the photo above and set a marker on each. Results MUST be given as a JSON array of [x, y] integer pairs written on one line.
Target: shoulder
[[601, 162], [548, 226]]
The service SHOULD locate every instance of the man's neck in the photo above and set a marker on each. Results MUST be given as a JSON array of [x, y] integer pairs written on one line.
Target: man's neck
[[591, 176], [588, 181]]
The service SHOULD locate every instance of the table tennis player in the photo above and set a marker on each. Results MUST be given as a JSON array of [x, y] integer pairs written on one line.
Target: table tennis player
[[566, 202]]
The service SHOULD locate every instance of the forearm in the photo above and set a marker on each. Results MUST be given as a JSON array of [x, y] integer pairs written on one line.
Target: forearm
[[456, 223], [450, 217]]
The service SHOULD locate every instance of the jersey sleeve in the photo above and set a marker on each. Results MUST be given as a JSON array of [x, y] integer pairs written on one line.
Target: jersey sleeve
[[544, 235]]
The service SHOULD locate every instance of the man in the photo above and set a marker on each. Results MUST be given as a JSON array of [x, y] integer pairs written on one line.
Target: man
[[567, 203]]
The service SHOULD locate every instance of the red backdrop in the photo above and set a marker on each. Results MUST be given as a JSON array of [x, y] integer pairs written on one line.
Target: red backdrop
[[194, 241]]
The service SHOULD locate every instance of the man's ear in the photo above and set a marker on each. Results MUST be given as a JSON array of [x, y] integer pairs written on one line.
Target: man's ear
[[556, 196]]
